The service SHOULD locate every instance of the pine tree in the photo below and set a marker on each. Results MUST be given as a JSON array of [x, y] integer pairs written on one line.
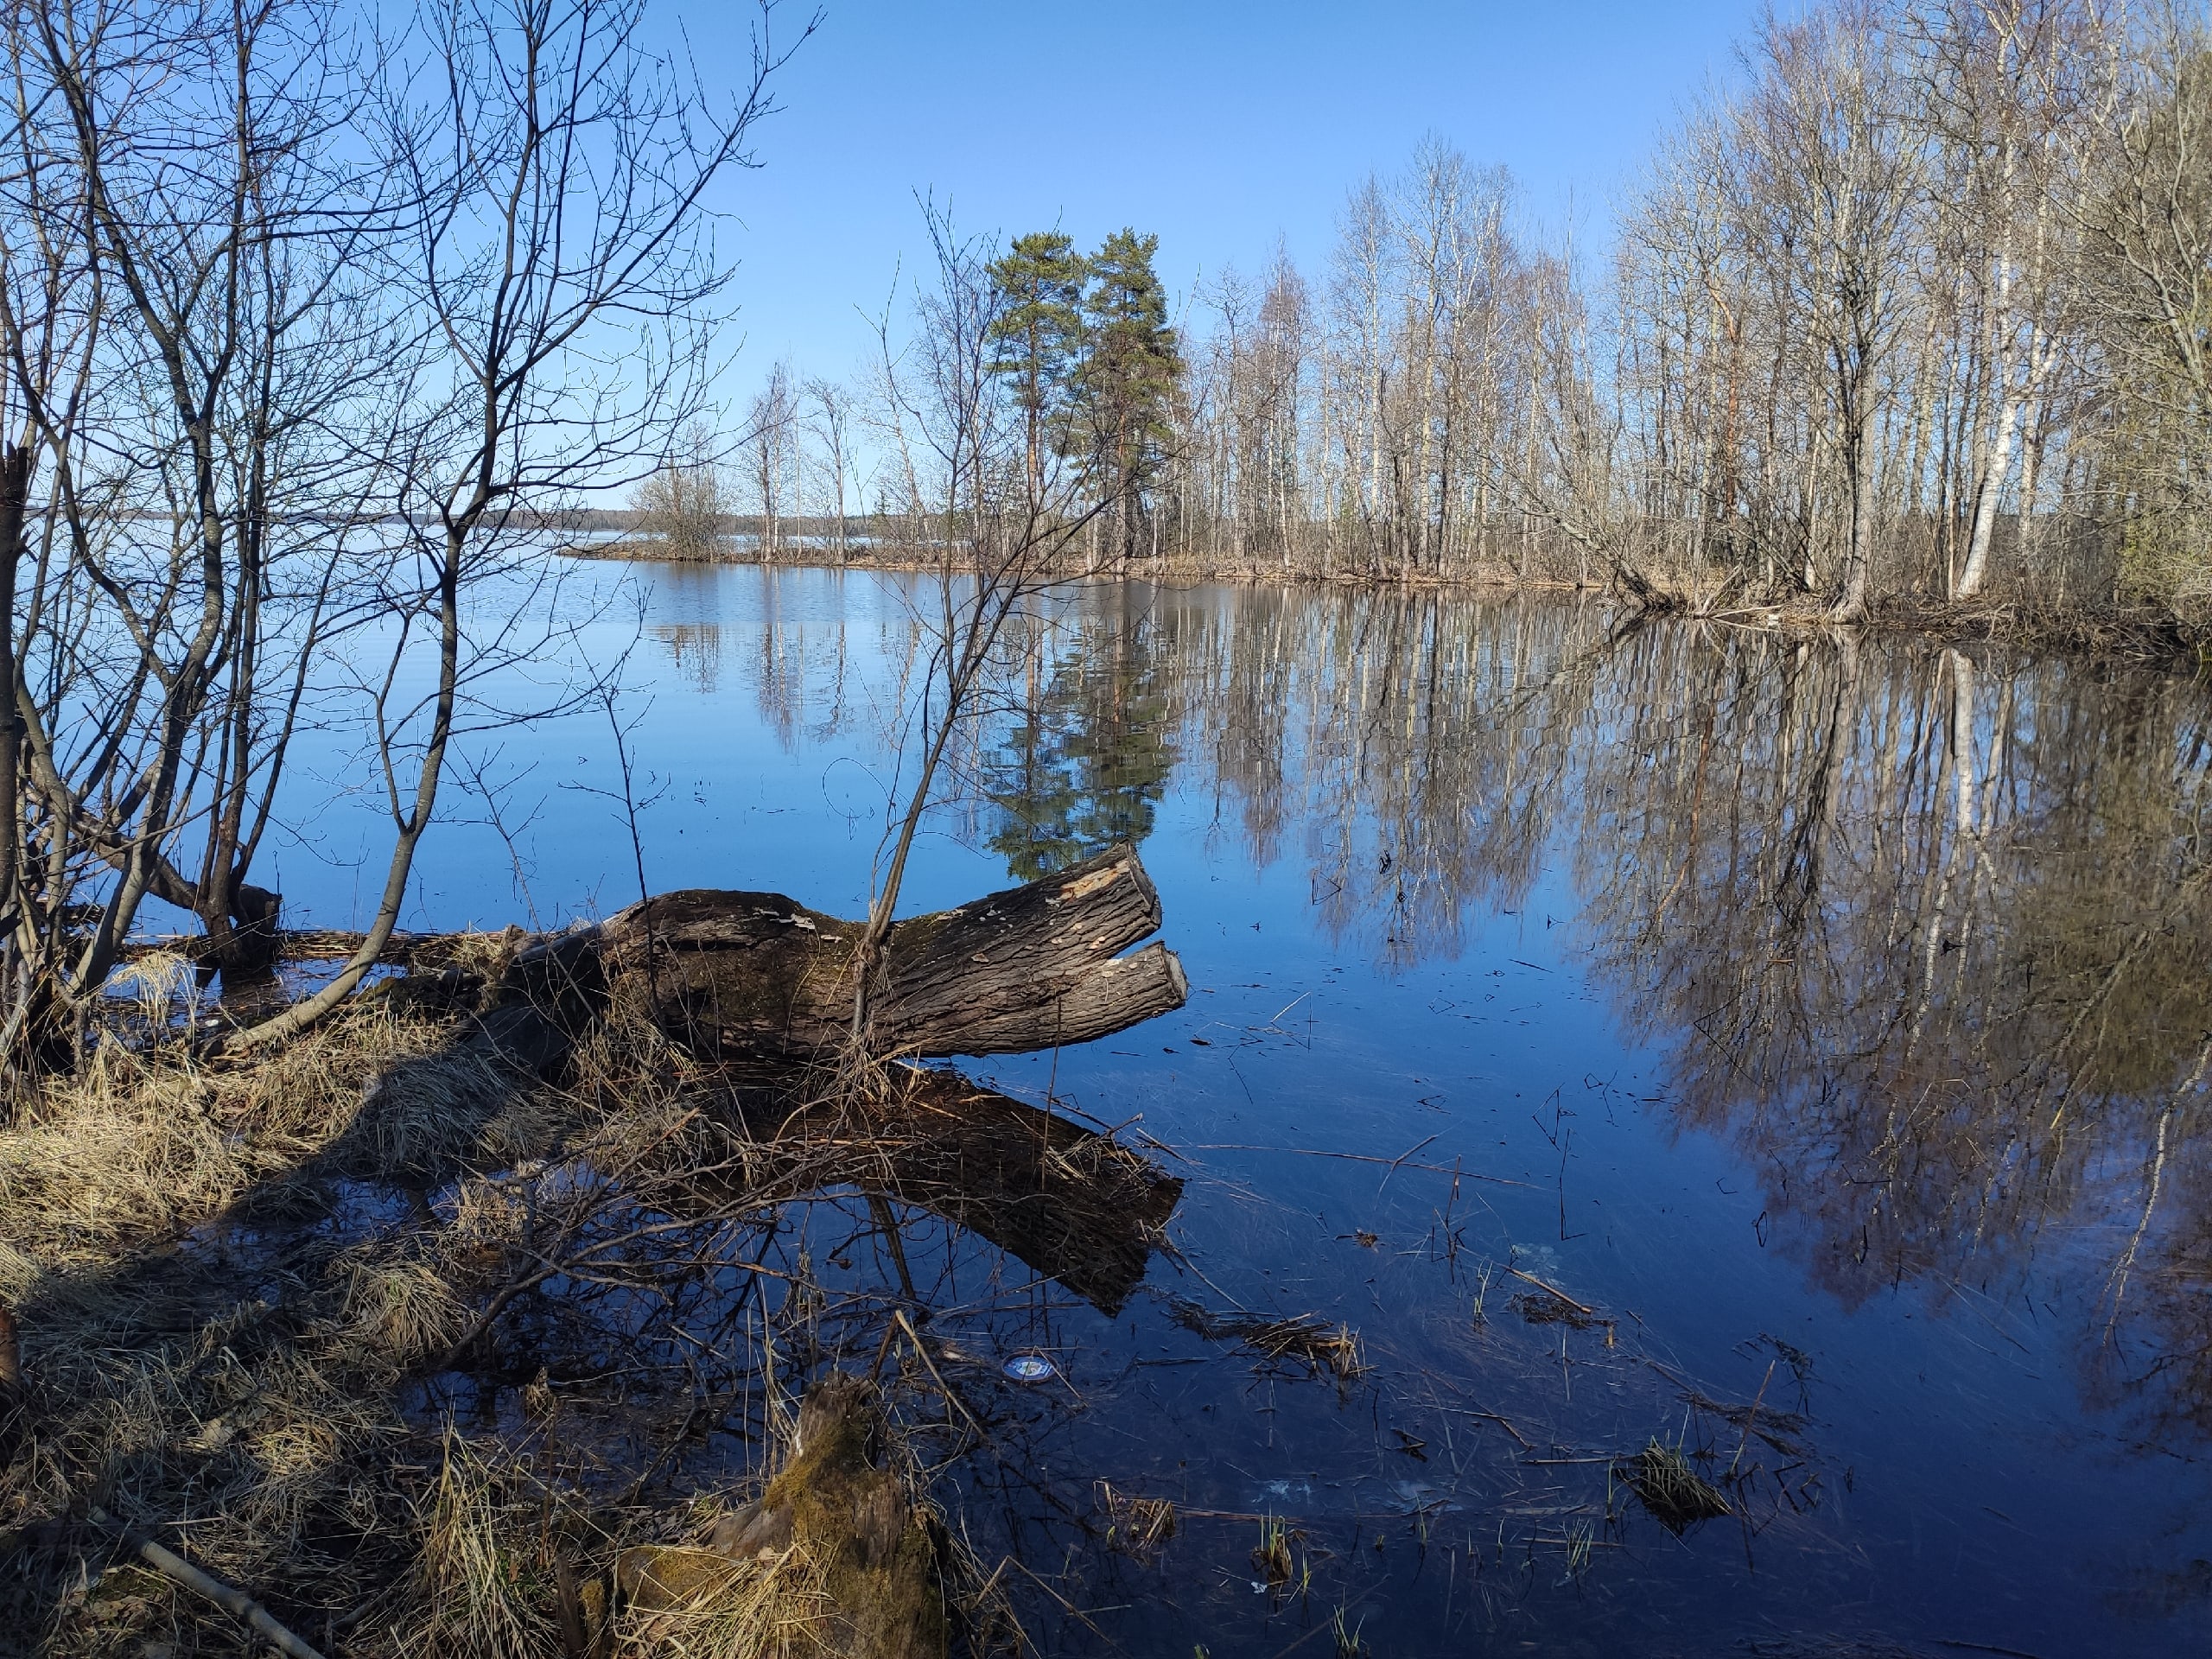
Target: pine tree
[[1038, 333], [1131, 371]]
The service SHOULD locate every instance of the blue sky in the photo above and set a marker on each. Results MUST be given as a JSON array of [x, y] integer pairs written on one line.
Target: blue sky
[[1220, 126]]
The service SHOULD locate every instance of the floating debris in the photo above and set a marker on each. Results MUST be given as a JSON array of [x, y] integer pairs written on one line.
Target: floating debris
[[1137, 1526], [1544, 1308], [1304, 1340], [1029, 1368], [1676, 1495], [1549, 1305]]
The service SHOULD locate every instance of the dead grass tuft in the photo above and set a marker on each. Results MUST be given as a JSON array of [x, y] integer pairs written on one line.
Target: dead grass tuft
[[1136, 1527], [775, 1604], [140, 1144], [402, 1308], [488, 1582], [1675, 1494]]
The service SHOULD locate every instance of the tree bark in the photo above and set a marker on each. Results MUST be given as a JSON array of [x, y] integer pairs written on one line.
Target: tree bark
[[757, 974], [1031, 967]]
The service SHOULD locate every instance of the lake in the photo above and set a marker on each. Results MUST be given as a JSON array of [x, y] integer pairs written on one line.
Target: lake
[[1776, 1057]]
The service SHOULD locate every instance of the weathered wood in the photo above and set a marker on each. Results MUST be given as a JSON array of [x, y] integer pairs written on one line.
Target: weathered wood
[[739, 973], [1030, 968], [235, 1602]]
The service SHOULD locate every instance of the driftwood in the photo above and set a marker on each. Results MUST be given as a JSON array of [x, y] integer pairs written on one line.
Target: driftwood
[[738, 973]]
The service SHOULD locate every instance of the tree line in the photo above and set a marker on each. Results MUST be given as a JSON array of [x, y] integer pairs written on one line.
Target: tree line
[[1917, 312], [1078, 349]]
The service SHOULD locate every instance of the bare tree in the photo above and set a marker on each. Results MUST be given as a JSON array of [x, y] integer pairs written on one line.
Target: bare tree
[[1839, 180], [772, 429], [202, 374], [831, 424], [2147, 225], [680, 502], [2009, 80], [561, 270]]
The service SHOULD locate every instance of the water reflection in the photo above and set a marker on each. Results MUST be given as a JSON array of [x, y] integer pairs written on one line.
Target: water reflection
[[1918, 930], [1086, 752], [694, 651]]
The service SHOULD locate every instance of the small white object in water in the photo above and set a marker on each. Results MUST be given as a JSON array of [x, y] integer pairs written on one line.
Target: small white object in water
[[1028, 1368]]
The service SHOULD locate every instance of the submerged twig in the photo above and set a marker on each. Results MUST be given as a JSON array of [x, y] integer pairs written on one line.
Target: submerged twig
[[922, 1352], [1587, 1312], [1752, 1416]]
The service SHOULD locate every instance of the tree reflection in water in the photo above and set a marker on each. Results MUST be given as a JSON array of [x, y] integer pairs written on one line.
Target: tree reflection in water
[[1085, 754], [1921, 930], [1916, 931]]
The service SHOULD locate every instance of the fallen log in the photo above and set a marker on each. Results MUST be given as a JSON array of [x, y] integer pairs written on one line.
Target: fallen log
[[1030, 968], [742, 973]]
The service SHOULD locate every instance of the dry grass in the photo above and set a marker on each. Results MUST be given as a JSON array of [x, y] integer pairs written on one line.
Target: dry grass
[[1304, 1340], [488, 1582], [777, 1604], [141, 1143], [1675, 1494], [231, 1280], [257, 1300], [511, 1564], [195, 1344], [1136, 1527]]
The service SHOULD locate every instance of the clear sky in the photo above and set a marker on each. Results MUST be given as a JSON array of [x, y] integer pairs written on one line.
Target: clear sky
[[1218, 125]]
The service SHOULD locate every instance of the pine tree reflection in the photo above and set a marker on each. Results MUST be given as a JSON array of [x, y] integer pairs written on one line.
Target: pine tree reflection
[[1086, 756]]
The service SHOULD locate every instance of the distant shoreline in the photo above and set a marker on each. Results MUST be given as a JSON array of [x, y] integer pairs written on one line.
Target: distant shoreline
[[2144, 635]]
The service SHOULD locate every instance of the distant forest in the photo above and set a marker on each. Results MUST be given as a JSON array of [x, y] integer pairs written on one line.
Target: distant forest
[[1917, 313]]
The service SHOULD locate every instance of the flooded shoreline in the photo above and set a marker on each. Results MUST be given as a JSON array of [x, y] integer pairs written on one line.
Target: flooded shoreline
[[2135, 634], [1679, 1136], [1892, 945]]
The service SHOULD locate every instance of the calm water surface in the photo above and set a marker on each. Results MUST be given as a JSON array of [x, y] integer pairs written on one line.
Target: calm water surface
[[1828, 1024]]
